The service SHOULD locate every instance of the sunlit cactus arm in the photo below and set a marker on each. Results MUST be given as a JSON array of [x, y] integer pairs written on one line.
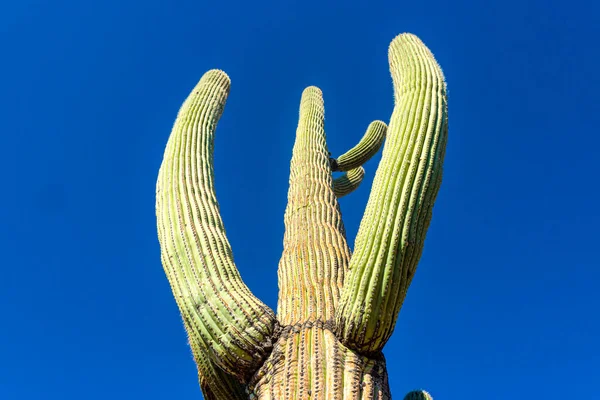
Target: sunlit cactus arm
[[348, 182], [219, 311], [366, 148], [392, 231], [418, 395], [315, 253]]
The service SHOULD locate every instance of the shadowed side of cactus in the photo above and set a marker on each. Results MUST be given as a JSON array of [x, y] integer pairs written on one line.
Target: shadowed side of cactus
[[348, 182], [336, 311], [418, 395]]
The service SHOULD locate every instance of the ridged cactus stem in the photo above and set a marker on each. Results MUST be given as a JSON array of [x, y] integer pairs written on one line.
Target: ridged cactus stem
[[366, 148], [222, 317], [335, 311], [348, 182], [315, 253], [392, 232]]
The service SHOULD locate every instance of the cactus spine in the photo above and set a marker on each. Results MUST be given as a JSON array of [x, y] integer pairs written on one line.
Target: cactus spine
[[335, 311]]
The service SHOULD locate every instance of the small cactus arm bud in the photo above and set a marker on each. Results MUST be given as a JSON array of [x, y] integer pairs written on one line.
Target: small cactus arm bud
[[392, 232], [365, 149], [348, 182]]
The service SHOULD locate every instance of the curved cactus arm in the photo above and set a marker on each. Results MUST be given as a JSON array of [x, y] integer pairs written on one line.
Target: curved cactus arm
[[418, 395], [315, 254], [365, 149], [218, 309], [348, 182], [392, 232]]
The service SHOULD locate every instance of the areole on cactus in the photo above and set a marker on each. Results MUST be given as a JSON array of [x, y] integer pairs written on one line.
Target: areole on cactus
[[336, 310]]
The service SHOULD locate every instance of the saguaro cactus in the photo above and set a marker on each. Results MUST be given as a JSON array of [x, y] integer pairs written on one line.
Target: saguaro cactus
[[336, 311]]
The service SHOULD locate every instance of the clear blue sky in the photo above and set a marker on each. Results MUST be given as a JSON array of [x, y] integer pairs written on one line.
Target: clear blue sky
[[505, 301]]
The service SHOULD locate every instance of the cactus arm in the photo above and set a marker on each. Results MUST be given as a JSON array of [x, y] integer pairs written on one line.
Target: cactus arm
[[315, 253], [392, 232], [366, 148], [348, 182], [418, 395], [219, 311]]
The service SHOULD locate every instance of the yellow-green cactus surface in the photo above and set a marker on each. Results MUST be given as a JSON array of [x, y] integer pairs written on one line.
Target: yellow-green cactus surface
[[336, 310]]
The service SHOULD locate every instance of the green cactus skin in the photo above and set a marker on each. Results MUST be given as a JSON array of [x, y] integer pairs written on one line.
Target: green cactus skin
[[308, 361], [418, 395], [220, 314], [335, 311], [392, 232], [365, 149], [348, 182], [215, 382], [315, 254]]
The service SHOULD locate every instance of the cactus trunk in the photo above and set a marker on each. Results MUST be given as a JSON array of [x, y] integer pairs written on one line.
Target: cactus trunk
[[336, 311]]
